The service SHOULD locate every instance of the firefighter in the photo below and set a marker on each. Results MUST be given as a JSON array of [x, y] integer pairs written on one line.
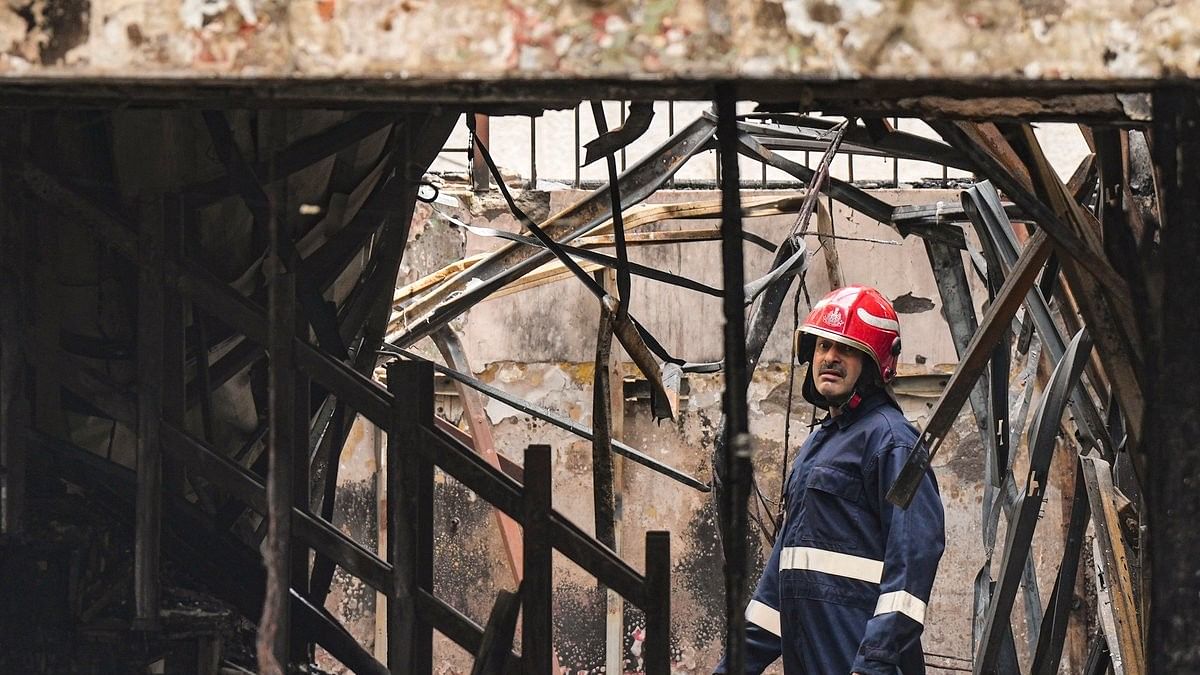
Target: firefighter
[[846, 587]]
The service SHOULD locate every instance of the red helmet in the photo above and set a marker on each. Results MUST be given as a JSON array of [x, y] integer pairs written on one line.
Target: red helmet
[[856, 316]]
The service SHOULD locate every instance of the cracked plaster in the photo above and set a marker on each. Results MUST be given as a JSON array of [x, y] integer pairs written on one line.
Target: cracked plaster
[[549, 39]]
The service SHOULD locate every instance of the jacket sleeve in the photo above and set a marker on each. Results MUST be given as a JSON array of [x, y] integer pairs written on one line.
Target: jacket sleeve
[[914, 540], [763, 644]]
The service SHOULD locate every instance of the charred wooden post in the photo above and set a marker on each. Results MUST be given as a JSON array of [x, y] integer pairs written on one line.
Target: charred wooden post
[[298, 452], [603, 505], [174, 319], [281, 442], [735, 461], [959, 311], [150, 369], [496, 644], [1173, 387], [608, 377], [537, 626], [657, 647], [603, 471], [274, 629], [14, 406], [409, 517]]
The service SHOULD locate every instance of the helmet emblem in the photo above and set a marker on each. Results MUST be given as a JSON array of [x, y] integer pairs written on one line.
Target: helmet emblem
[[835, 318]]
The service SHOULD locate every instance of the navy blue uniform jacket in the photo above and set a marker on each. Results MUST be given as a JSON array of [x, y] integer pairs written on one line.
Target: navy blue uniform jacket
[[848, 581]]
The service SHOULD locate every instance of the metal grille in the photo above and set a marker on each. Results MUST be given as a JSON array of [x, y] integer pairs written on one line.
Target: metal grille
[[547, 151]]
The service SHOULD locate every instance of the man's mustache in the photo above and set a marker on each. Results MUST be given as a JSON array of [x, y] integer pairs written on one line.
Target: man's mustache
[[833, 369]]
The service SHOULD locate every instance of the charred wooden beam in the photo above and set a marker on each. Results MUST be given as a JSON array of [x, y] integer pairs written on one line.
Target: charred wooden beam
[[996, 159], [1044, 98], [314, 532], [1173, 385], [368, 308], [329, 261], [492, 656], [762, 322], [510, 468], [738, 474], [482, 440], [416, 145], [480, 178], [275, 626], [537, 625], [982, 205], [457, 627], [857, 199], [1104, 297], [296, 157], [958, 308], [513, 261], [603, 506], [603, 468], [657, 647], [504, 493], [1053, 635], [876, 136], [410, 518], [14, 404], [1043, 437], [237, 359], [638, 343], [250, 187], [560, 422], [1129, 109], [173, 377], [1027, 178], [999, 439], [996, 321], [151, 365], [1128, 652], [828, 239], [1116, 207], [232, 570], [298, 574]]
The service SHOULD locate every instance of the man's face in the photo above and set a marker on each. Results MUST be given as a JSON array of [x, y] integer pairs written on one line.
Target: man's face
[[836, 368]]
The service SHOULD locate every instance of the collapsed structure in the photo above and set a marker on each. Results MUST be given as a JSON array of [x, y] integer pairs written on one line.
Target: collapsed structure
[[232, 246]]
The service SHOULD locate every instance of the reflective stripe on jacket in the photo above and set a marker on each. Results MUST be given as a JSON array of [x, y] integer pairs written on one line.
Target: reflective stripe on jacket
[[846, 587]]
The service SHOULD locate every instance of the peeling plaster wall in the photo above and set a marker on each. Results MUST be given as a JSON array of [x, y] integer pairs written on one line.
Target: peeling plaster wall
[[538, 345], [470, 39]]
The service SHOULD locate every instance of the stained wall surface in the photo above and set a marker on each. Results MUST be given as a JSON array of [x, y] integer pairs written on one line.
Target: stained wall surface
[[643, 39], [539, 345]]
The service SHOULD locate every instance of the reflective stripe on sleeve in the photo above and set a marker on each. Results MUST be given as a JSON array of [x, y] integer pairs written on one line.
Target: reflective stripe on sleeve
[[901, 601], [831, 562], [764, 617]]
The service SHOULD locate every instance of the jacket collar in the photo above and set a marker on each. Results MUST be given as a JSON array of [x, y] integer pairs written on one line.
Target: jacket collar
[[851, 415]]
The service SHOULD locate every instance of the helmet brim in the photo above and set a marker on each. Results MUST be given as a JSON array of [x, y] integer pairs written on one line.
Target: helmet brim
[[841, 339]]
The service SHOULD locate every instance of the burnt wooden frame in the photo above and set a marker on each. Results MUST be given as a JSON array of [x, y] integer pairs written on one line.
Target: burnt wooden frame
[[203, 292], [433, 448]]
